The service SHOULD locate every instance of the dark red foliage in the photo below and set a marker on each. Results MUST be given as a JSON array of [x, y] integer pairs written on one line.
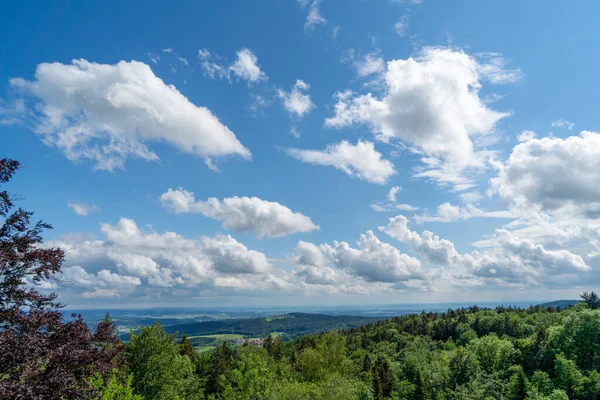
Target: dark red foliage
[[41, 356]]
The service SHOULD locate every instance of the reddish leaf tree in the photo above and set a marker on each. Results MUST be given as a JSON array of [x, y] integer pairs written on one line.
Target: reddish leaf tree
[[41, 356]]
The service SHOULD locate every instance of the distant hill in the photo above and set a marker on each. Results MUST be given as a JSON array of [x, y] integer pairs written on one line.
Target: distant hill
[[292, 324], [560, 303]]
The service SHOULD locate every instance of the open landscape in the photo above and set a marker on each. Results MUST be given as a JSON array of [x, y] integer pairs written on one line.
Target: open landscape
[[300, 200]]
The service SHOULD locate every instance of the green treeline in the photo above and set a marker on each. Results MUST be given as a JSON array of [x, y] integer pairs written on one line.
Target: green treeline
[[537, 353], [293, 324]]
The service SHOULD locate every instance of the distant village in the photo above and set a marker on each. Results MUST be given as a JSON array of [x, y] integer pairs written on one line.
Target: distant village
[[253, 341]]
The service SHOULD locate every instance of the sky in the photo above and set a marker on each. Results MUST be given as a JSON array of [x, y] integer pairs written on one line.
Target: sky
[[306, 152]]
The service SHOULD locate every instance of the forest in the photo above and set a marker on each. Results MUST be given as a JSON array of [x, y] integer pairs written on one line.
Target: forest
[[469, 353], [292, 324]]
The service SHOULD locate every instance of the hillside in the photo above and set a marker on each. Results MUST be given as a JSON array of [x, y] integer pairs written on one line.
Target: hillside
[[292, 324], [560, 303]]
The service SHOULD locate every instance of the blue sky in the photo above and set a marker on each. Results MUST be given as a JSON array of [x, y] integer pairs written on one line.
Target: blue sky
[[452, 131]]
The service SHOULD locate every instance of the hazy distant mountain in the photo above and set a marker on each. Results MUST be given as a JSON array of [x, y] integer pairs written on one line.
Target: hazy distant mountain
[[560, 303]]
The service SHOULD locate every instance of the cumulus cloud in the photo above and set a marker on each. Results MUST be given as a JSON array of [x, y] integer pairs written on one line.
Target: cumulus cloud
[[431, 103], [297, 101], [107, 113], [245, 66], [553, 175], [526, 135], [372, 261], [241, 214], [83, 209], [510, 259], [104, 283], [360, 160], [162, 260]]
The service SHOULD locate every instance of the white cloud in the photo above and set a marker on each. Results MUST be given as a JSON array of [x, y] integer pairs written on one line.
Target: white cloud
[[562, 123], [211, 68], [335, 31], [241, 214], [511, 258], [401, 25], [446, 212], [155, 58], [168, 50], [246, 67], [492, 67], [369, 65], [83, 209], [294, 132], [471, 197], [107, 113], [230, 256], [391, 204], [297, 102], [526, 135], [372, 261], [135, 264], [431, 103], [78, 276], [360, 160], [314, 16], [554, 175], [164, 260], [391, 207], [394, 190], [257, 106]]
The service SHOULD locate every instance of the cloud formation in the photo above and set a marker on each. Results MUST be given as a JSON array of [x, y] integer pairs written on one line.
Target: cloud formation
[[241, 214], [130, 257], [106, 113], [431, 102], [360, 160], [372, 261], [510, 259], [82, 209], [245, 67], [553, 175], [297, 101], [314, 17]]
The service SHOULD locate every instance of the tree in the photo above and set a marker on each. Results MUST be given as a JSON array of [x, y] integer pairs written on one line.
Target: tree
[[274, 347], [214, 366], [159, 371], [463, 367], [494, 354], [568, 377], [186, 348], [40, 355], [591, 300], [113, 388], [518, 385]]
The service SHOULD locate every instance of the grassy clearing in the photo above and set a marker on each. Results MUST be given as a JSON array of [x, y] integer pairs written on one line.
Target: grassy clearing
[[224, 336]]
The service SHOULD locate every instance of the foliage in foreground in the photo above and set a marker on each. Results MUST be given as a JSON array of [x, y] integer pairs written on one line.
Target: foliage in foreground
[[41, 356], [461, 354]]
